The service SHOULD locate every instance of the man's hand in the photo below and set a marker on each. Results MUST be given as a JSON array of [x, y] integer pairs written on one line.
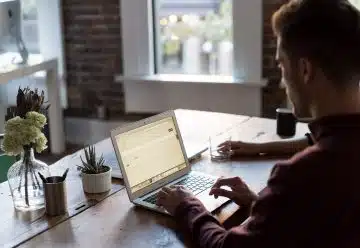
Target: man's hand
[[239, 193], [239, 148], [171, 197]]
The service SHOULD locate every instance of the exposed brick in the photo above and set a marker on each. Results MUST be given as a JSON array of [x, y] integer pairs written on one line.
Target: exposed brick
[[268, 61], [83, 10], [92, 36], [273, 96]]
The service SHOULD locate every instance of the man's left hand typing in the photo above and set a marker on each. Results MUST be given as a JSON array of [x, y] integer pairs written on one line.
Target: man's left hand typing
[[170, 197]]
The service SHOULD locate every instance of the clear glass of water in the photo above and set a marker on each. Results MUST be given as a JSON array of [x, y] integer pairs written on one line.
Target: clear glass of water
[[220, 147]]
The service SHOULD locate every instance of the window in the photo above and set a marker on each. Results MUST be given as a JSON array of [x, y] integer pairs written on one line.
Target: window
[[148, 90], [147, 25], [29, 26], [356, 3], [193, 37]]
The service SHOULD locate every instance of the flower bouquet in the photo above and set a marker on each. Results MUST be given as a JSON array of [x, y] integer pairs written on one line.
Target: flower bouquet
[[23, 134]]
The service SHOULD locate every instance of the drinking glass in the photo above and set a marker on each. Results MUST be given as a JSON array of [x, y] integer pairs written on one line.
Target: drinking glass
[[220, 146]]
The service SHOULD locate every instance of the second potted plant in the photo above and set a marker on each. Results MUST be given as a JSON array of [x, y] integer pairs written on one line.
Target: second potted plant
[[96, 176]]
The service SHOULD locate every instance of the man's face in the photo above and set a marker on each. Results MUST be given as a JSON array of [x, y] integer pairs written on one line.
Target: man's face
[[294, 80]]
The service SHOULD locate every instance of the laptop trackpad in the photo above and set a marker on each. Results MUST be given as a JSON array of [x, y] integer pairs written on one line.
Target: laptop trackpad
[[209, 201]]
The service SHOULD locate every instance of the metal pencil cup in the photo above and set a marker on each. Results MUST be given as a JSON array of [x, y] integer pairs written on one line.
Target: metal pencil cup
[[55, 196]]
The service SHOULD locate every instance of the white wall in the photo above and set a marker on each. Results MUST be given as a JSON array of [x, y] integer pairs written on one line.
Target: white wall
[[51, 37], [51, 31], [81, 131], [150, 97], [248, 38]]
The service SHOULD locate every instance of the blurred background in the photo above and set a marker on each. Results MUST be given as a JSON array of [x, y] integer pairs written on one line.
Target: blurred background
[[188, 37], [194, 37]]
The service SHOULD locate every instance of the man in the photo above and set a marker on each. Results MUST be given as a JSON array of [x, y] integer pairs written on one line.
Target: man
[[312, 199]]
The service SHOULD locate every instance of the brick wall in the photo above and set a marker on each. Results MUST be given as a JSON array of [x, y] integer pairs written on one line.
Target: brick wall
[[93, 55], [273, 96]]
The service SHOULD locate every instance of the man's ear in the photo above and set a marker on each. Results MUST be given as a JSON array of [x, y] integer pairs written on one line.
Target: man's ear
[[306, 70]]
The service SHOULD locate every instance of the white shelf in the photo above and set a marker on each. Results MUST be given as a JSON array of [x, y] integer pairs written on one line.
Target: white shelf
[[36, 66], [10, 72]]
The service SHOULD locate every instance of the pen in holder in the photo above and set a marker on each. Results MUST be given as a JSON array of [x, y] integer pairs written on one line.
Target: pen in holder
[[55, 195]]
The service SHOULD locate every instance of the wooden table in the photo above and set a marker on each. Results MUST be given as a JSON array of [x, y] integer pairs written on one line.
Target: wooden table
[[115, 222]]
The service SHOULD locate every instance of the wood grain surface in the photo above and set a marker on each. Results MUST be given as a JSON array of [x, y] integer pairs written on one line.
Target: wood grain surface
[[115, 222], [17, 227]]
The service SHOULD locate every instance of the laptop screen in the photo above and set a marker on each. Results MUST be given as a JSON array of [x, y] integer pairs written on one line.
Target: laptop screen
[[150, 153]]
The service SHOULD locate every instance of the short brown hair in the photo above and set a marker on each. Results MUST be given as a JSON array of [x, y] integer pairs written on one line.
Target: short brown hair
[[327, 32]]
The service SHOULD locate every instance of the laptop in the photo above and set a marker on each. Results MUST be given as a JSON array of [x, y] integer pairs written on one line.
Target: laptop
[[193, 153], [152, 155]]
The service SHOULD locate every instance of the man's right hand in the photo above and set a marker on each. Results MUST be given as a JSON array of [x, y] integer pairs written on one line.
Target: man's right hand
[[239, 193], [239, 148], [279, 147]]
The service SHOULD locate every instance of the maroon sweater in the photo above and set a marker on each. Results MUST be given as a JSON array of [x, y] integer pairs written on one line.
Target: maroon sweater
[[311, 200]]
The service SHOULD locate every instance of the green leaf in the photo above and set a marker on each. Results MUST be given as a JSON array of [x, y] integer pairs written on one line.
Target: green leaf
[[91, 164]]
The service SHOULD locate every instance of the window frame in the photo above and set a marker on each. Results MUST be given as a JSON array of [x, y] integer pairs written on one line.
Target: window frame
[[49, 21], [139, 47], [32, 46]]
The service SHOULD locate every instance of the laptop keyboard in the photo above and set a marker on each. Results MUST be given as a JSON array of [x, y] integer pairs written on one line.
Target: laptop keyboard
[[151, 199], [195, 183]]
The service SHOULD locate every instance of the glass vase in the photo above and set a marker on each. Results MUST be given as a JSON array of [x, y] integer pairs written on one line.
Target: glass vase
[[25, 184]]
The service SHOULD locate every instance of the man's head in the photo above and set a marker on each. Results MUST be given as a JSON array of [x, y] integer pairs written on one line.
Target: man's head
[[318, 49]]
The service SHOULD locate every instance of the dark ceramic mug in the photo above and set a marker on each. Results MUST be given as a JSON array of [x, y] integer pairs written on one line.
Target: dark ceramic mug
[[285, 122]]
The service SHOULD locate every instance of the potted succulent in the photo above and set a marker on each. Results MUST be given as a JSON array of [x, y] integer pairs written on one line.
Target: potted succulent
[[96, 176]]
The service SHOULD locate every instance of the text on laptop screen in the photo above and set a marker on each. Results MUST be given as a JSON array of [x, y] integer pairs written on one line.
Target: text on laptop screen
[[150, 153]]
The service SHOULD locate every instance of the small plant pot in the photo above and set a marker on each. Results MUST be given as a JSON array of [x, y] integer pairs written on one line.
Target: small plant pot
[[97, 183]]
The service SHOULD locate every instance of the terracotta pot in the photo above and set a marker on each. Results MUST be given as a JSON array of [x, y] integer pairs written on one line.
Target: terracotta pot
[[97, 183]]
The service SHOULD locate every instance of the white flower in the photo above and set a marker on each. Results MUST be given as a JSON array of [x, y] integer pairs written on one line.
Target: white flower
[[14, 124], [29, 134], [36, 119], [40, 143], [20, 132], [12, 146]]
